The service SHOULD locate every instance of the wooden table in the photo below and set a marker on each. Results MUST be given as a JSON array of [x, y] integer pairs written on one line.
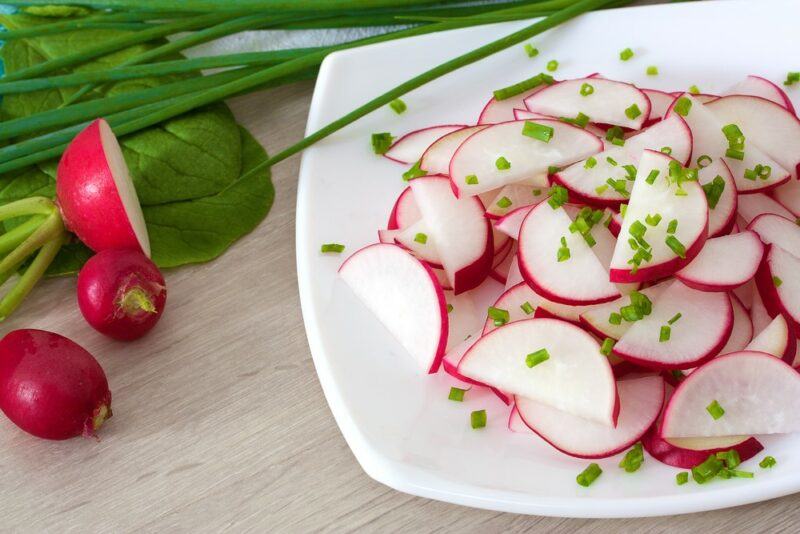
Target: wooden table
[[219, 420]]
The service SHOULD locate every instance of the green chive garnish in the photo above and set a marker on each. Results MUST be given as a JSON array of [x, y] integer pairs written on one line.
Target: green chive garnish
[[682, 478], [520, 87], [587, 89], [504, 202], [563, 253], [590, 163], [707, 470], [535, 358], [552, 65], [421, 238], [676, 246], [536, 192], [537, 131], [792, 78], [398, 106], [502, 164], [734, 136], [651, 178], [471, 179], [381, 142], [666, 150], [767, 463], [498, 315], [589, 475], [777, 281], [694, 90], [682, 106], [478, 419], [652, 70], [614, 132], [600, 189], [633, 111], [633, 459], [734, 153], [714, 190], [653, 220], [615, 318], [332, 247], [664, 334], [531, 50], [715, 410], [456, 394], [607, 347], [527, 308], [558, 196], [730, 457], [626, 54], [704, 161], [675, 318], [414, 172], [672, 226], [449, 308]]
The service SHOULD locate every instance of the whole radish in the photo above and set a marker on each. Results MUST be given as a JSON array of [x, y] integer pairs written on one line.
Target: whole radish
[[121, 293], [50, 386]]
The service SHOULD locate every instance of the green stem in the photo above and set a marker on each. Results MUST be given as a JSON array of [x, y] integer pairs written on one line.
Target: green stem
[[70, 25], [51, 227], [239, 5], [14, 237], [27, 206]]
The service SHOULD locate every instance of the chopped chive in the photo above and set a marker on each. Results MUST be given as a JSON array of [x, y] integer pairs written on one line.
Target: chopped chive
[[536, 192], [631, 171], [563, 253], [381, 142], [414, 172], [651, 178], [715, 410], [664, 334], [767, 463], [637, 229], [626, 54], [734, 136], [614, 132], [521, 87], [498, 315], [540, 132], [600, 189], [590, 240], [558, 196], [694, 90], [504, 202], [675, 318], [527, 308], [535, 358], [676, 246], [618, 141], [421, 238], [552, 65], [531, 50], [672, 226], [704, 161], [552, 169], [714, 190], [623, 208], [456, 394], [615, 318], [682, 106], [631, 313], [653, 220], [652, 70], [502, 164], [741, 474], [332, 247], [589, 475], [764, 172], [449, 308], [735, 154], [477, 419], [398, 106], [792, 78], [580, 120], [633, 111], [471, 179], [587, 89], [633, 459], [666, 150], [619, 186], [633, 243], [607, 347], [682, 478], [611, 161], [590, 163], [706, 470], [676, 374], [750, 174], [777, 281], [730, 457]]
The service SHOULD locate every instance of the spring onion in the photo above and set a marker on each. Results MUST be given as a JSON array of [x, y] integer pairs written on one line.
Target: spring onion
[[672, 226], [694, 90], [332, 247], [767, 463], [537, 131], [477, 419], [653, 220], [706, 470], [777, 281], [504, 202], [666, 150], [456, 394], [498, 315], [563, 253], [521, 87], [381, 142], [651, 178], [589, 475], [558, 196], [471, 179], [587, 89], [590, 163], [633, 459], [704, 161], [398, 106], [527, 308], [676, 246], [682, 478], [664, 334], [683, 106], [615, 318], [652, 70], [535, 358], [633, 111], [792, 78], [607, 347], [414, 172], [715, 410]]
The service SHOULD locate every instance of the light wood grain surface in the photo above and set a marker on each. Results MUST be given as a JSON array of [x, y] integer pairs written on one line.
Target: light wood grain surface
[[219, 420]]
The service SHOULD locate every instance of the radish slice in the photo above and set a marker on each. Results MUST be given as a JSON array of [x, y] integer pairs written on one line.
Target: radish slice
[[742, 331], [722, 217], [405, 296], [516, 424], [709, 140], [765, 124], [778, 230], [759, 393], [640, 401], [436, 159], [576, 378], [595, 319], [608, 104], [463, 318], [454, 355], [502, 243], [416, 239], [685, 457], [514, 276], [788, 195], [724, 263], [512, 197], [745, 293], [659, 198], [497, 111], [529, 157], [525, 115], [751, 206], [387, 236], [758, 312], [778, 284], [462, 234], [777, 339], [500, 271], [582, 279], [410, 148], [761, 87], [687, 346], [512, 301], [500, 256], [405, 211], [511, 222], [660, 102]]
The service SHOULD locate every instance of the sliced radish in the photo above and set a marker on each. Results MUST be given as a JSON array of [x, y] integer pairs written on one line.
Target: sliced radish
[[513, 301], [721, 217], [687, 346], [453, 357], [777, 339], [516, 424], [758, 312], [528, 157], [765, 124], [758, 86], [511, 222], [709, 140], [595, 319], [611, 102], [405, 296], [788, 195], [96, 195], [405, 211], [778, 230], [409, 148], [742, 331], [659, 198], [751, 206], [416, 239], [436, 159], [660, 102], [501, 270], [759, 394], [463, 318], [525, 115], [514, 276], [778, 284], [724, 263], [701, 448], [640, 401], [462, 234], [512, 197], [496, 111], [502, 243], [579, 280], [576, 378], [745, 293], [387, 236], [615, 223]]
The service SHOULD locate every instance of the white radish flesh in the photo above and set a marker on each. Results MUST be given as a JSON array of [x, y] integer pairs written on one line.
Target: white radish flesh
[[409, 148], [758, 86], [774, 229], [436, 159], [722, 216], [512, 197], [777, 339], [724, 262], [751, 206], [742, 331], [416, 239]]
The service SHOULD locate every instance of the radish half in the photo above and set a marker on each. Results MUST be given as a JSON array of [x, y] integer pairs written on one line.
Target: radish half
[[761, 87], [436, 159], [528, 157], [774, 229], [724, 263], [759, 394], [405, 296], [410, 148], [777, 339], [688, 345], [576, 378], [511, 222], [96, 195], [640, 401], [686, 458]]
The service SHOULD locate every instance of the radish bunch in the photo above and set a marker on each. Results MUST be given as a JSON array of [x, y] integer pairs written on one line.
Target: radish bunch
[[647, 251]]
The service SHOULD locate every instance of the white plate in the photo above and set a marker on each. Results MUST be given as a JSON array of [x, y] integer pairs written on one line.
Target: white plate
[[399, 424]]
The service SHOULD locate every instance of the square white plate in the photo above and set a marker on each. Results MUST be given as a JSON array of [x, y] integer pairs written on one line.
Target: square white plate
[[399, 423]]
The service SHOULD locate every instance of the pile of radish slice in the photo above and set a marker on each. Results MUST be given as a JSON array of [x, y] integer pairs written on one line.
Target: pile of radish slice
[[648, 249]]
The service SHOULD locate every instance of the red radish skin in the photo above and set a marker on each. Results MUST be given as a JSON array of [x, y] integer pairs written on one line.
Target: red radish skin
[[669, 454], [97, 199], [52, 387], [405, 211], [121, 293]]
